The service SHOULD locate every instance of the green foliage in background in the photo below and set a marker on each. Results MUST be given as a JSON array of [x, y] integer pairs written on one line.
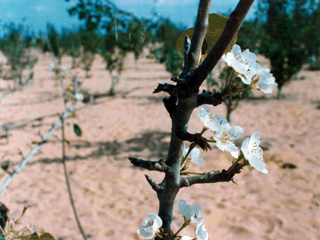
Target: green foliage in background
[[284, 36], [165, 51]]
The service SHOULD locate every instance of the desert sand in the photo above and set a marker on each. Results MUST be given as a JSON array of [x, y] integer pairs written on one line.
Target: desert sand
[[112, 197]]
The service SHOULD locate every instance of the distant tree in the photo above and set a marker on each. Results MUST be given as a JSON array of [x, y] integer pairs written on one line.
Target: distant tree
[[249, 35], [284, 37], [122, 33], [89, 41], [19, 53], [71, 45], [54, 43], [165, 49], [312, 39]]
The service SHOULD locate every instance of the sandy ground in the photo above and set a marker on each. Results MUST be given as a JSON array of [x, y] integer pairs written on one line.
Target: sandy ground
[[112, 197]]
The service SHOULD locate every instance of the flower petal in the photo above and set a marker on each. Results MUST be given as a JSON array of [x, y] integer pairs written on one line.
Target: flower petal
[[234, 132], [201, 232], [218, 123], [186, 209], [254, 140], [257, 163], [244, 146], [146, 235], [197, 160], [204, 114], [195, 152]]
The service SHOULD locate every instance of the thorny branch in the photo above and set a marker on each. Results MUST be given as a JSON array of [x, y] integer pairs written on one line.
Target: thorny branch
[[184, 98]]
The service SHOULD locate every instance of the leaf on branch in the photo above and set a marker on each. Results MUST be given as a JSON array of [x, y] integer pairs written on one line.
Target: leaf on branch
[[77, 130], [217, 23], [5, 165]]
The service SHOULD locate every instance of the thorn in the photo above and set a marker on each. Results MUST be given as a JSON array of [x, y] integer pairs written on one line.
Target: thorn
[[152, 183], [234, 182]]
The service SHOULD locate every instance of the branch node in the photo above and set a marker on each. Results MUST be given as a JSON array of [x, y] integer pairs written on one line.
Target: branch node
[[170, 104]]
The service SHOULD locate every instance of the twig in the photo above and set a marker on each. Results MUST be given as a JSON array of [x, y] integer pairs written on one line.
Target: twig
[[33, 152], [200, 31], [160, 165], [223, 176], [67, 180], [37, 148]]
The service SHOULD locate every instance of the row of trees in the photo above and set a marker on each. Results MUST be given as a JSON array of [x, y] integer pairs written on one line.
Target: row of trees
[[285, 31]]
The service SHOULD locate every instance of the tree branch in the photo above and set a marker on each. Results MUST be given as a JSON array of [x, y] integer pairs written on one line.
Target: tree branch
[[231, 29], [199, 33], [160, 165], [205, 97], [223, 176]]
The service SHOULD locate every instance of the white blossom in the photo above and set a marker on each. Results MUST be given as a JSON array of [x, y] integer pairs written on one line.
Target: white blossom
[[223, 133], [201, 232], [79, 96], [149, 226], [253, 152], [190, 213], [265, 80], [205, 115], [250, 72], [184, 237], [244, 63], [194, 155]]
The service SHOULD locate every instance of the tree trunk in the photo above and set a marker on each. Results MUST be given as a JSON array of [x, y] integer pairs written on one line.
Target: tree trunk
[[279, 95]]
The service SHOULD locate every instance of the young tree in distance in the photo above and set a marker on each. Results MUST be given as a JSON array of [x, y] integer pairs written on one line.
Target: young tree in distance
[[54, 42], [71, 45], [312, 39], [165, 37], [283, 36], [19, 52]]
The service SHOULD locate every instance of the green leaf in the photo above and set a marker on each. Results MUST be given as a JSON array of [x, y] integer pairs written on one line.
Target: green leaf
[[217, 23], [77, 130], [5, 165]]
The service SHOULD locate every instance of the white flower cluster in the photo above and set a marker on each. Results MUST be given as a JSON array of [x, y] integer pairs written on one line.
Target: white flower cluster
[[225, 135], [191, 215], [250, 72]]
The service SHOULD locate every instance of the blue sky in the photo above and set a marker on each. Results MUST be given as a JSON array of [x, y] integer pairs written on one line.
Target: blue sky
[[36, 13]]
